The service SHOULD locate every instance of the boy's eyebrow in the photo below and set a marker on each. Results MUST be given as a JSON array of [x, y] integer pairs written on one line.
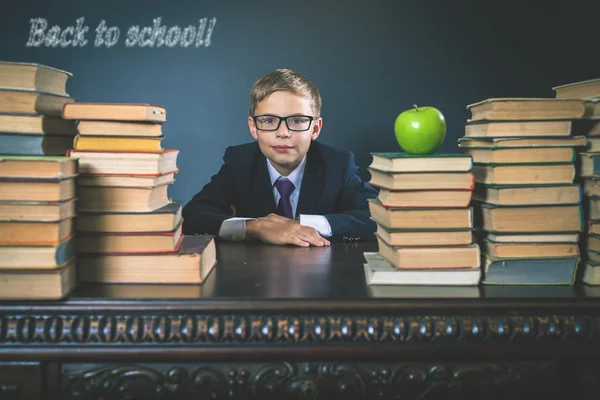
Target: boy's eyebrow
[[275, 115]]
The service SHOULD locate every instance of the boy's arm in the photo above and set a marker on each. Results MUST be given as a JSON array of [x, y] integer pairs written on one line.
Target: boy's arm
[[353, 222], [206, 211]]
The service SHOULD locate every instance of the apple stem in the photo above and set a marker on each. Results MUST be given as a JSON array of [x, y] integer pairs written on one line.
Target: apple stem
[[415, 106]]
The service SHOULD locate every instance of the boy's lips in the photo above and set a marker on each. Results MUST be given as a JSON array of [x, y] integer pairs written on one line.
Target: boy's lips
[[282, 149]]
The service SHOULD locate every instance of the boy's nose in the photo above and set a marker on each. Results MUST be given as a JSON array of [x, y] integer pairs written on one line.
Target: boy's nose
[[283, 130]]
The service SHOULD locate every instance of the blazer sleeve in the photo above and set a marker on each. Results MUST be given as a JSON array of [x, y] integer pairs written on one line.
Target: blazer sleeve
[[207, 210], [353, 221]]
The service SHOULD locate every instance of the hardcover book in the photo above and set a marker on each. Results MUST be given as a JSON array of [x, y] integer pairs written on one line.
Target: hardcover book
[[404, 162], [420, 218], [19, 101], [115, 112], [379, 271], [42, 167], [527, 109], [33, 76], [35, 145], [543, 271], [49, 284], [192, 264]]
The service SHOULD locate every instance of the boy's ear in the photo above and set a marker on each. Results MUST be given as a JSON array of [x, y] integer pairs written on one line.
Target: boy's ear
[[252, 128], [316, 130]]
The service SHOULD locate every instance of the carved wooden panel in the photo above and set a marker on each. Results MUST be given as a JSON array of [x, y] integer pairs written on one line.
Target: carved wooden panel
[[135, 328], [312, 381], [20, 381]]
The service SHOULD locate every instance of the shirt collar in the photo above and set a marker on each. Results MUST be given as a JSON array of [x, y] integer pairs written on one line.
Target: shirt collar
[[295, 176]]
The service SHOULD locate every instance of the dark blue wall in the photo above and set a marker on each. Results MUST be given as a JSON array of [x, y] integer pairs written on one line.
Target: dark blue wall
[[370, 59]]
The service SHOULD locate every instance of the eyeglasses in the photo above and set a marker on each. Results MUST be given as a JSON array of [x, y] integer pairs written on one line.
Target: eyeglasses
[[296, 123]]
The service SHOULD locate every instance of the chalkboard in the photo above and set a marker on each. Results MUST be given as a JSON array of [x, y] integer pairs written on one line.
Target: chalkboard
[[370, 59]]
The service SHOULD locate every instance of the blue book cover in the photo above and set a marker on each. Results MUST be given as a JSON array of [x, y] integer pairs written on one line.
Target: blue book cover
[[35, 145], [539, 271]]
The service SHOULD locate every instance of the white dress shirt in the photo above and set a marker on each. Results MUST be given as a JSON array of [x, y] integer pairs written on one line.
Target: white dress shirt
[[235, 228]]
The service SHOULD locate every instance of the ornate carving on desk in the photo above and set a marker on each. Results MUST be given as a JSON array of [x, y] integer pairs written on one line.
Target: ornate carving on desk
[[475, 381], [313, 381], [126, 382], [309, 381], [145, 329]]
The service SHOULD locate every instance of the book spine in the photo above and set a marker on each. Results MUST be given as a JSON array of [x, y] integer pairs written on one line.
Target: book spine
[[570, 131], [596, 164], [21, 144], [65, 251]]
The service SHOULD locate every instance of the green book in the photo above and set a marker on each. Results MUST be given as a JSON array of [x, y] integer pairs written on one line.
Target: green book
[[437, 162]]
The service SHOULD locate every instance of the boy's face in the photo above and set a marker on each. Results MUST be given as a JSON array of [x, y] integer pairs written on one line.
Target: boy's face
[[283, 147]]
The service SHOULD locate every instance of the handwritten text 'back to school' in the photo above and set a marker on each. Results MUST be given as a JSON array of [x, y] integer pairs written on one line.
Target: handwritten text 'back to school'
[[41, 34]]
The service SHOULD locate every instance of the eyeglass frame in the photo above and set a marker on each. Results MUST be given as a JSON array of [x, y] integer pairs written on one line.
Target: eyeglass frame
[[310, 117]]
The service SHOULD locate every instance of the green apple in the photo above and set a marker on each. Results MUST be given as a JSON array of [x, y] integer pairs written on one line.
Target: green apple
[[420, 130]]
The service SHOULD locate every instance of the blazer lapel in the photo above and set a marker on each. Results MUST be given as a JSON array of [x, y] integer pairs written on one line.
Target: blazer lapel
[[312, 185], [261, 191]]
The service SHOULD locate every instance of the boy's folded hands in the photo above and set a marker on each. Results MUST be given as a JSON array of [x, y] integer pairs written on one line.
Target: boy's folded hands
[[276, 229]]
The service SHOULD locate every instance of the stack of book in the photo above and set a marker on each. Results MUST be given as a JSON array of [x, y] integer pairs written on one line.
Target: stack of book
[[527, 204], [589, 171], [129, 231], [37, 187], [424, 221]]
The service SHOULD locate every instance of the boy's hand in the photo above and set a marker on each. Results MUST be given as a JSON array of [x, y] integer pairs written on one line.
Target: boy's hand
[[276, 229]]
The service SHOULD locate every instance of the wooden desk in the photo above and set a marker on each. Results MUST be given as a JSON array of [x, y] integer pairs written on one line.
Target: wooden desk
[[283, 323]]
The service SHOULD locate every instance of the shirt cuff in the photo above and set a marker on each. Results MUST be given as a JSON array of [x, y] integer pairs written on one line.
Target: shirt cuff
[[319, 222], [233, 228]]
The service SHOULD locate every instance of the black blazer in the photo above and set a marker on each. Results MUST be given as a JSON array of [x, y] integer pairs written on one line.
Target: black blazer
[[330, 187]]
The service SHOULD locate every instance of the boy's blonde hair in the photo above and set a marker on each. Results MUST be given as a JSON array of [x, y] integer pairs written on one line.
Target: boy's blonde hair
[[285, 79]]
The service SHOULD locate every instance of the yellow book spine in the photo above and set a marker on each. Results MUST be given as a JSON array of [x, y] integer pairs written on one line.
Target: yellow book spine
[[111, 143]]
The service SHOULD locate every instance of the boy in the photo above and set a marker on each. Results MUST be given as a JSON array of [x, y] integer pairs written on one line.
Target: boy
[[285, 188]]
